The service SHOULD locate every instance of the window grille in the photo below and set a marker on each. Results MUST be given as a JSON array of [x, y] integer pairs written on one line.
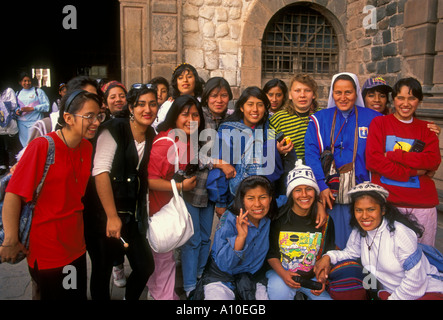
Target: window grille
[[299, 39]]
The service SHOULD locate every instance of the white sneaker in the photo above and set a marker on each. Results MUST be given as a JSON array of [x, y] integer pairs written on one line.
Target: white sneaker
[[118, 273]]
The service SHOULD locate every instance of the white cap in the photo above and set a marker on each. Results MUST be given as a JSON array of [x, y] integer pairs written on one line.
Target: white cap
[[369, 186], [300, 175]]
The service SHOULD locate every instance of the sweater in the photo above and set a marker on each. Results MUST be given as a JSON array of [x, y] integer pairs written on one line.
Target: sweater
[[397, 171]]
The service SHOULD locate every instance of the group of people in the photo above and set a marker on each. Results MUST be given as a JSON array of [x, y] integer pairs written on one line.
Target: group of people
[[297, 189]]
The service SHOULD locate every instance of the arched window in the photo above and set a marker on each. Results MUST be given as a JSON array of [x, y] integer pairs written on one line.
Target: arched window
[[299, 39]]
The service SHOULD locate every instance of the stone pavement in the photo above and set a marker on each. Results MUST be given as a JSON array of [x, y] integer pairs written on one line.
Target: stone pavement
[[15, 282]]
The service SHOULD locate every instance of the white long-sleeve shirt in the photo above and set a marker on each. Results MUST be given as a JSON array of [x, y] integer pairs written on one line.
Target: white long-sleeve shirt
[[385, 261]]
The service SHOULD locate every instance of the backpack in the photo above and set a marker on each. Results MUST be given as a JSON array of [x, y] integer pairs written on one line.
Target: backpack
[[6, 113], [434, 257]]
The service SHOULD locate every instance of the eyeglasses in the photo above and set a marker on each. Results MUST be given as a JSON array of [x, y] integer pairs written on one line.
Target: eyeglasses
[[149, 86], [92, 118]]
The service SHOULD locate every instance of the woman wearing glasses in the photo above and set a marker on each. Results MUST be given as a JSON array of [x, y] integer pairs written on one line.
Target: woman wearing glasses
[[120, 172], [57, 236]]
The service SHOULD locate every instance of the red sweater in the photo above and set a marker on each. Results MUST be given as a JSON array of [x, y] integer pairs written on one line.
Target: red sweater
[[397, 170]]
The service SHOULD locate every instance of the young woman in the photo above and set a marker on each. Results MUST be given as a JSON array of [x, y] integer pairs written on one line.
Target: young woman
[[295, 240], [57, 237], [114, 97], [120, 171], [183, 118], [384, 239], [406, 172], [185, 80], [194, 254], [294, 118], [33, 103], [162, 89], [277, 93], [351, 119], [244, 143], [240, 245], [375, 93]]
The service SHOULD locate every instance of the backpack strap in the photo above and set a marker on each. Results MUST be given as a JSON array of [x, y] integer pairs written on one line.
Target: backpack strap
[[50, 158]]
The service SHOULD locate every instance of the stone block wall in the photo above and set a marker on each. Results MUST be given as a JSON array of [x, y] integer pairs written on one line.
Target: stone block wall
[[375, 47]]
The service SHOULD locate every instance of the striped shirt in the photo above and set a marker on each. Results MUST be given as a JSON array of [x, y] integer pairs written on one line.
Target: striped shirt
[[294, 127]]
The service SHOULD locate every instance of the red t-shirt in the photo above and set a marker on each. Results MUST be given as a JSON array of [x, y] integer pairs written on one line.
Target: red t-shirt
[[56, 237], [161, 167]]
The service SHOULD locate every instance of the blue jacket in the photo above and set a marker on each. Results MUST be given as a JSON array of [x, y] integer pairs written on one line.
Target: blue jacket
[[253, 255], [250, 152], [318, 138]]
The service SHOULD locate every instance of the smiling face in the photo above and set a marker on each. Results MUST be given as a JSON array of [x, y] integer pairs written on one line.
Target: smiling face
[[146, 109], [303, 197], [253, 110], [405, 104], [301, 96], [186, 83], [188, 120], [257, 202], [368, 213], [344, 94], [376, 100], [83, 126], [116, 99], [26, 83]]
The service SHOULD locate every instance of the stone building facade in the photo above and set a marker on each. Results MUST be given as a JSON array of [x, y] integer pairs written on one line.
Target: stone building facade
[[226, 38]]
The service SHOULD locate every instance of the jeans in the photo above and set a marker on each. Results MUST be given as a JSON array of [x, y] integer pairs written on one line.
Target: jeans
[[278, 289], [195, 252]]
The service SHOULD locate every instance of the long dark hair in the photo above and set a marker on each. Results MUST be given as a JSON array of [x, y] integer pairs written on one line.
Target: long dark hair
[[392, 214], [177, 72], [249, 183], [246, 94], [182, 102]]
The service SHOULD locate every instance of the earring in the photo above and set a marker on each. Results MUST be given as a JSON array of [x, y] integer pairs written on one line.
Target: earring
[[131, 117]]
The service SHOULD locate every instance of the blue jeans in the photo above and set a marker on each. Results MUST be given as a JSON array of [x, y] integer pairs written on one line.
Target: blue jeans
[[195, 252], [279, 290]]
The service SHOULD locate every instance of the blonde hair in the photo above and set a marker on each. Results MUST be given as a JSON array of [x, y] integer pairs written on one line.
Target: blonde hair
[[307, 80]]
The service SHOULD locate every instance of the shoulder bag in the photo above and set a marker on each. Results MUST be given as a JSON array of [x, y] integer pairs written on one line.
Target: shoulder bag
[[340, 180], [172, 226]]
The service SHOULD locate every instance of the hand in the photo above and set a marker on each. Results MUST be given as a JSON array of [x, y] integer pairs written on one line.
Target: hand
[[322, 268], [242, 223], [327, 198], [434, 128], [27, 109], [286, 276], [322, 216], [228, 170], [190, 183], [322, 280], [219, 211], [10, 251], [284, 149], [113, 227]]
